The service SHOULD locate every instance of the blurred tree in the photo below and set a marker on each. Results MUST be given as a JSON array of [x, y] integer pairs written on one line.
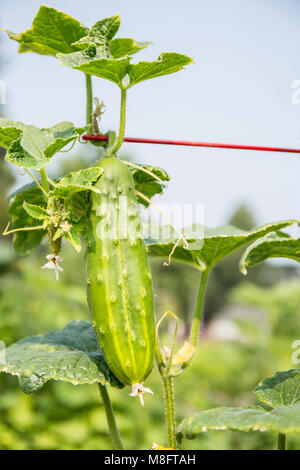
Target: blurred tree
[[242, 218]]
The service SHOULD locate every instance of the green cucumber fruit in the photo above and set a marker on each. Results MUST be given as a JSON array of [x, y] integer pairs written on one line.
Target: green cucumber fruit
[[119, 282]]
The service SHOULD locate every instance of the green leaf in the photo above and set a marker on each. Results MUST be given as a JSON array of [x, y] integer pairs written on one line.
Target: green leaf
[[204, 253], [70, 355], [21, 189], [36, 212], [147, 184], [30, 147], [122, 47], [74, 236], [52, 32], [168, 62], [60, 135], [25, 241], [78, 206], [281, 389], [284, 419], [270, 246], [77, 181], [100, 35], [116, 69], [86, 61], [10, 133]]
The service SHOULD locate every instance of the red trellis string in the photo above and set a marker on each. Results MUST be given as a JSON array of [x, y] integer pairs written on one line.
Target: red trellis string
[[141, 140]]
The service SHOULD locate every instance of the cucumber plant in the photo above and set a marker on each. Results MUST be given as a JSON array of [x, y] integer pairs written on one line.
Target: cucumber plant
[[99, 205]]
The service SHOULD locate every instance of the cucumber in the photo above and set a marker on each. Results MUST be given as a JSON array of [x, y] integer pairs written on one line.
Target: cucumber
[[119, 284]]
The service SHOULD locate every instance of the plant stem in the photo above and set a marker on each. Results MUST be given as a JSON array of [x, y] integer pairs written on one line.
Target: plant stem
[[194, 333], [36, 182], [281, 442], [122, 122], [22, 229], [110, 417], [89, 103], [168, 391], [44, 180]]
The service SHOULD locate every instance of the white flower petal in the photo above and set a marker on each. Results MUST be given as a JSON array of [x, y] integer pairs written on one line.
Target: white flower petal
[[53, 261], [138, 390], [49, 265]]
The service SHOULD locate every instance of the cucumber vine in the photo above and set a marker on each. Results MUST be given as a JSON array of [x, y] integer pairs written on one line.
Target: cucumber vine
[[84, 205]]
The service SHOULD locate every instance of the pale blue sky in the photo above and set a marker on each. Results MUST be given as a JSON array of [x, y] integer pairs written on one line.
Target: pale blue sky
[[247, 54]]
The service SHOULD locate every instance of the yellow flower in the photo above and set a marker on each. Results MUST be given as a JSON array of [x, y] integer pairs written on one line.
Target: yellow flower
[[158, 447]]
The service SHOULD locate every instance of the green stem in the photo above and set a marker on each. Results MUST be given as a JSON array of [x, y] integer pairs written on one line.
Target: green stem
[[37, 183], [22, 229], [168, 390], [194, 333], [110, 417], [281, 442], [122, 122], [89, 103], [44, 180]]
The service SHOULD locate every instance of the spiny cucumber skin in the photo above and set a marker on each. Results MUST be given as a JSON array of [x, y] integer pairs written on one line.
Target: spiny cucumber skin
[[119, 285]]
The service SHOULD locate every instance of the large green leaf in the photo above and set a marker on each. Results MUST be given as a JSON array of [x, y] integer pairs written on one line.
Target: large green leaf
[[25, 241], [71, 355], [52, 32], [281, 389], [21, 189], [168, 62], [284, 419], [86, 61], [77, 181], [270, 246], [204, 253], [30, 147], [115, 70]]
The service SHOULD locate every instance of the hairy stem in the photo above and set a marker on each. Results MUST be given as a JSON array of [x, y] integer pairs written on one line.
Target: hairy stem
[[110, 417], [281, 442], [89, 103], [168, 390], [122, 122], [194, 333]]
